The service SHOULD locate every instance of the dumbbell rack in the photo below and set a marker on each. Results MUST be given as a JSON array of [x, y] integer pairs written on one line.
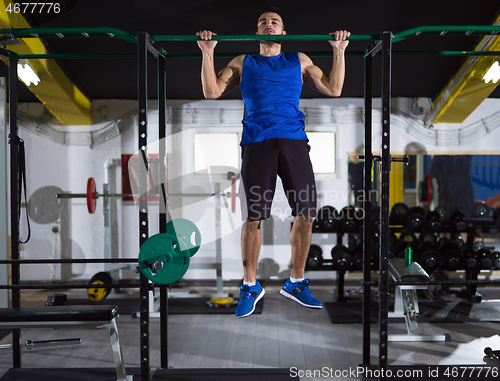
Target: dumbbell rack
[[474, 225], [327, 265]]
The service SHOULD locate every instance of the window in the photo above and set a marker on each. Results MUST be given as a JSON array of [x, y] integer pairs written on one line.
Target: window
[[322, 151]]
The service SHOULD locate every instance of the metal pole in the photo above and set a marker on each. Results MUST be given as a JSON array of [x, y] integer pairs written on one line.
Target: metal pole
[[162, 176], [4, 210], [367, 167], [384, 204], [142, 58], [14, 202]]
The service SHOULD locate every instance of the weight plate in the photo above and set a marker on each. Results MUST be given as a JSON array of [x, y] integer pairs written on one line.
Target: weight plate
[[222, 300], [163, 258], [436, 291], [425, 190], [98, 294], [187, 232], [44, 206], [91, 195]]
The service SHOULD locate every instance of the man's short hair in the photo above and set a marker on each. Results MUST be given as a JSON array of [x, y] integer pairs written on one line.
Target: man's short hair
[[274, 10], [271, 9]]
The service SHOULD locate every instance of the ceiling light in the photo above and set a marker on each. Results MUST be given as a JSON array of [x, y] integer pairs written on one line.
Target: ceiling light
[[27, 74], [493, 73]]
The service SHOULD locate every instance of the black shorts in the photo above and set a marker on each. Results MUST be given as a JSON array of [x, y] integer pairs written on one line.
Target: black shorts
[[262, 162]]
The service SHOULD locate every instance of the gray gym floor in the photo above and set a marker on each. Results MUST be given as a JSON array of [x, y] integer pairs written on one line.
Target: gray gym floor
[[285, 335]]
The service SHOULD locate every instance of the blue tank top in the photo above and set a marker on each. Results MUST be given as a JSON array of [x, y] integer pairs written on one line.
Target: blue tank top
[[271, 88]]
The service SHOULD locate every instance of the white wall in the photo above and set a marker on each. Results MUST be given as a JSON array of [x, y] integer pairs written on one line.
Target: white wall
[[68, 167]]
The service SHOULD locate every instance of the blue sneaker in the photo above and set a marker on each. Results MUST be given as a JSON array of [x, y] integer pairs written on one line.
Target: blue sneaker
[[249, 296], [300, 293]]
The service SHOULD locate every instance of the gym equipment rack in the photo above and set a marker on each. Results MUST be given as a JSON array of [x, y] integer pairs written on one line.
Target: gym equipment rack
[[382, 44]]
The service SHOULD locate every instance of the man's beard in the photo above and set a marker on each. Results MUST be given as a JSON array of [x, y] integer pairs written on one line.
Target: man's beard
[[270, 41]]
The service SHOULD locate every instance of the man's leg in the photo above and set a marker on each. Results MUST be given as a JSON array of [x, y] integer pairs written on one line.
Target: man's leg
[[250, 248], [300, 238], [258, 174], [297, 175], [251, 291]]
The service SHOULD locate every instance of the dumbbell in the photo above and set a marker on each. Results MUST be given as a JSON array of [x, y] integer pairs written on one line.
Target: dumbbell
[[415, 219], [441, 211], [350, 218], [328, 219], [397, 214], [452, 256], [485, 258], [434, 221], [458, 222], [470, 258], [496, 259], [314, 258], [341, 258], [354, 240], [403, 241], [480, 209], [357, 258], [428, 257], [427, 237]]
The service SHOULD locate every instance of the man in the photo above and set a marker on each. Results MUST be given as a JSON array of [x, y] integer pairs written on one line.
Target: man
[[274, 143], [455, 188]]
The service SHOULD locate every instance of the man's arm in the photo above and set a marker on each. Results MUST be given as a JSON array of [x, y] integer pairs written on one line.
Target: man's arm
[[327, 83], [228, 78]]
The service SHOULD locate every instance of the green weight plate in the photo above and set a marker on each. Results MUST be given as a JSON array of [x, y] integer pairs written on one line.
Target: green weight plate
[[167, 251], [187, 232]]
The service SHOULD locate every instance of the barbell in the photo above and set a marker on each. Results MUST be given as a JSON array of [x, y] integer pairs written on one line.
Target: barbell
[[91, 195]]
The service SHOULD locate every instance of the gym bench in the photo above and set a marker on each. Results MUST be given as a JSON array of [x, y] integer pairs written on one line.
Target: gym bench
[[406, 301], [77, 317]]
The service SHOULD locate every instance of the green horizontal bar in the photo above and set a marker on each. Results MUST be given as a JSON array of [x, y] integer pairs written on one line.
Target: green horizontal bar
[[448, 30], [448, 53], [234, 54], [76, 56], [116, 33], [254, 37], [231, 54], [355, 54], [70, 33]]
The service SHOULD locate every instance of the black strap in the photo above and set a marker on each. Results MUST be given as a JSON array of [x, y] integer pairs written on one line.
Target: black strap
[[21, 178]]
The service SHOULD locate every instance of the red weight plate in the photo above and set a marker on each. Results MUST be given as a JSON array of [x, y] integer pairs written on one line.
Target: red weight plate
[[91, 195]]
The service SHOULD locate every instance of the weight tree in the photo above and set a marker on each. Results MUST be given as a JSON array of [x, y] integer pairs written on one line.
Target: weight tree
[[145, 49]]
